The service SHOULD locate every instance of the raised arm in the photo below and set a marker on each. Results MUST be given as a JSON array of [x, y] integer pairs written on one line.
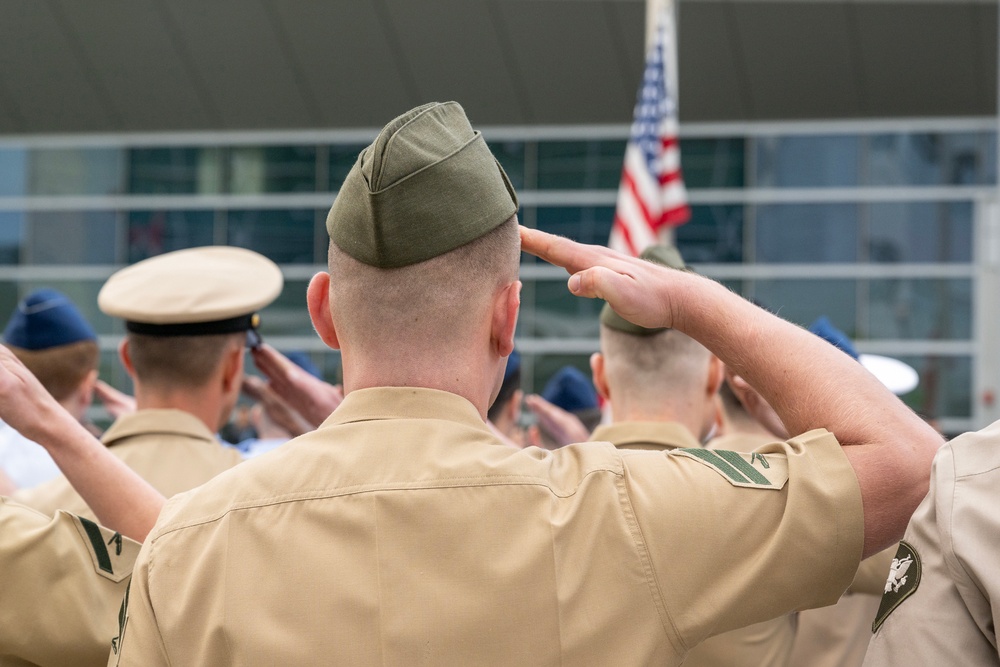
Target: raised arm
[[809, 383], [121, 499]]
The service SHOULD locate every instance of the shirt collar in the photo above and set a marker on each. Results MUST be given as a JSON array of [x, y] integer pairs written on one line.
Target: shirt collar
[[168, 422], [666, 435], [405, 403]]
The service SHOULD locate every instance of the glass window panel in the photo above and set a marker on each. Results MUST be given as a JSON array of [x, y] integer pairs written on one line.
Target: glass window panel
[[288, 315], [510, 155], [76, 171], [154, 232], [12, 232], [13, 172], [72, 237], [580, 165], [713, 163], [807, 233], [342, 158], [920, 232], [955, 158], [807, 161], [10, 294], [714, 234], [922, 309], [804, 301], [587, 224], [254, 169], [945, 388], [555, 313], [175, 170], [285, 236]]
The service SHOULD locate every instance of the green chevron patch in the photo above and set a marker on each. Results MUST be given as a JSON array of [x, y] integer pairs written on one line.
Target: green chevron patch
[[751, 470]]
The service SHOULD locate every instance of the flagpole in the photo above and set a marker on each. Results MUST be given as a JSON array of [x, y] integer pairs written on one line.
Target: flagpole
[[654, 10]]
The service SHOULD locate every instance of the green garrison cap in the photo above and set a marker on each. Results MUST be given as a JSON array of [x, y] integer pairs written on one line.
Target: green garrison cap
[[427, 185], [665, 255]]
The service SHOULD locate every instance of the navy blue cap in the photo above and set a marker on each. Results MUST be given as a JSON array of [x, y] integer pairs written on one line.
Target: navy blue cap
[[513, 365], [824, 328], [46, 319], [571, 390]]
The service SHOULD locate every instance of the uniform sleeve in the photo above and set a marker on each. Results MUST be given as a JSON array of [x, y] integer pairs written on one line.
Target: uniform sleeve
[[932, 613], [735, 539], [140, 643], [63, 581], [870, 579]]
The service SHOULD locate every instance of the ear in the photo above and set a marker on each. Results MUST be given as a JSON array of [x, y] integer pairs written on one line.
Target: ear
[[318, 301], [716, 374], [86, 390], [598, 375], [232, 369], [506, 305], [125, 353]]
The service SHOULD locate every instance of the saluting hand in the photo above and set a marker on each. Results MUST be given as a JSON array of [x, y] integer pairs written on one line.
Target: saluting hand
[[642, 292], [309, 396], [24, 403]]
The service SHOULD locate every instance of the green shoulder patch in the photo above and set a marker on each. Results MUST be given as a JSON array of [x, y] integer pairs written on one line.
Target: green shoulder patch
[[904, 577], [113, 555], [751, 470]]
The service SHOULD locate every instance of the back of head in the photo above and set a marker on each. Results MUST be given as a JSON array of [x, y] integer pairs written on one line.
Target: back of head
[[650, 369], [647, 366], [423, 232], [50, 336], [183, 310]]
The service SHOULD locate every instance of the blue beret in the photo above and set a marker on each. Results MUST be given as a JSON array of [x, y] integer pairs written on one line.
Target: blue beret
[[46, 319], [571, 390], [513, 365], [824, 328]]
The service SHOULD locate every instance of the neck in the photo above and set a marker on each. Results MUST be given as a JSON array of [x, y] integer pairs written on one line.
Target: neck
[[465, 377], [685, 413], [200, 402]]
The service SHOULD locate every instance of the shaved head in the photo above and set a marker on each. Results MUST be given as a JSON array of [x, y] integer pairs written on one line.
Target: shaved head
[[429, 306], [667, 366]]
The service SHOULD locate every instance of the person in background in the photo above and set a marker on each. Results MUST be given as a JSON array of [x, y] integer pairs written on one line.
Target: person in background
[[64, 577], [188, 315], [662, 386], [50, 336], [567, 410]]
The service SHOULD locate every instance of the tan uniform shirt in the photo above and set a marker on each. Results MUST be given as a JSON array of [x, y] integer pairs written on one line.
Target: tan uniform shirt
[[403, 532], [61, 585], [837, 636], [764, 644], [942, 596], [171, 449]]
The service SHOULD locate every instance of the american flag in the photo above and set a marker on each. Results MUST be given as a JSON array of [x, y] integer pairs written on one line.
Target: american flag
[[651, 194]]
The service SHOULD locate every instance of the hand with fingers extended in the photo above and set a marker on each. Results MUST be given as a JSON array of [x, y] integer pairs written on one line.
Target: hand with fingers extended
[[25, 404], [276, 408], [640, 291], [311, 397], [117, 403], [564, 428]]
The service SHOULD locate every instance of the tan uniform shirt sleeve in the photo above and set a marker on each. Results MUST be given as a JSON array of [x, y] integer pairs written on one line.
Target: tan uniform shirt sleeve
[[948, 618], [140, 642], [725, 556], [63, 579]]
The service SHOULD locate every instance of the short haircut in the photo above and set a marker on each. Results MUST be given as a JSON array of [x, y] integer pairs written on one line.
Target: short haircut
[[177, 362], [511, 384], [649, 368], [432, 303], [61, 369]]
